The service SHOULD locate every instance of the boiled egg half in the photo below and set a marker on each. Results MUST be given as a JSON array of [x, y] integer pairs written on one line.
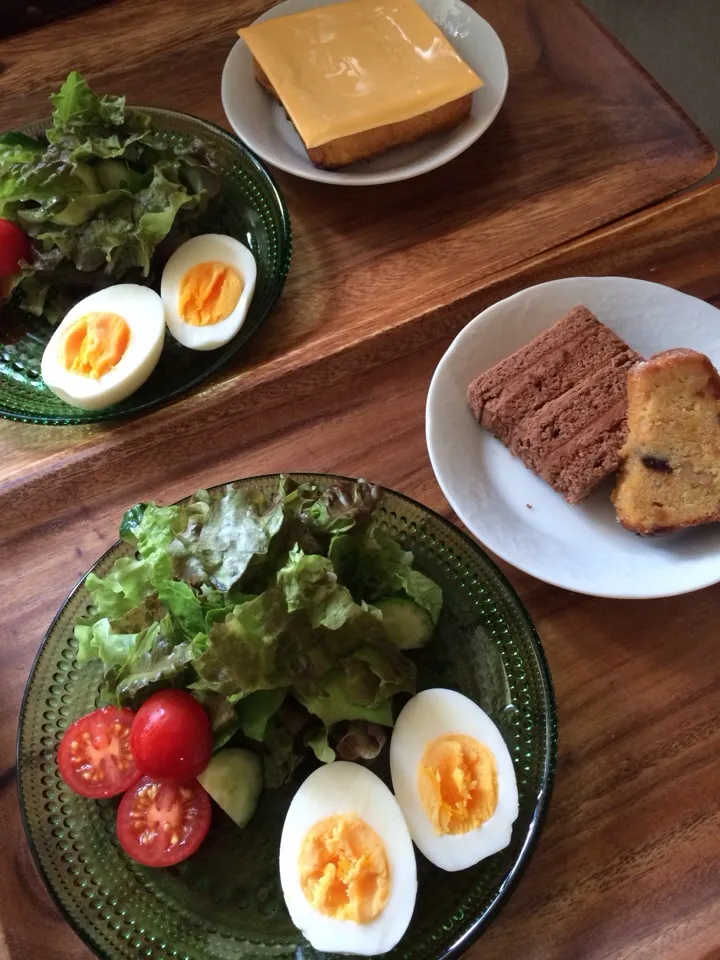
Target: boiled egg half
[[454, 779], [106, 347], [207, 286], [347, 864]]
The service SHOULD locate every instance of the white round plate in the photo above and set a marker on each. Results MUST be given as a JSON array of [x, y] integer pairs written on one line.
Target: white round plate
[[514, 513], [261, 122]]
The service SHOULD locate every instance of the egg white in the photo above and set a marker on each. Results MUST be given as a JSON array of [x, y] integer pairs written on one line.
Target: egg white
[[348, 788], [207, 247], [142, 309], [429, 715]]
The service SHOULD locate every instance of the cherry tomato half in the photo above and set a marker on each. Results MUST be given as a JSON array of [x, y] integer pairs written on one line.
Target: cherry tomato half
[[94, 755], [160, 822], [171, 737], [14, 247]]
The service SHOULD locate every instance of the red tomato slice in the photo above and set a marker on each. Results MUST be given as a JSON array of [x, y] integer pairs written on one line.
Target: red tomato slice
[[14, 247], [160, 822], [94, 755], [171, 738]]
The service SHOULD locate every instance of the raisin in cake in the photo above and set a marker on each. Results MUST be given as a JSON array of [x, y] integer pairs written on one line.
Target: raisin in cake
[[670, 464], [559, 402]]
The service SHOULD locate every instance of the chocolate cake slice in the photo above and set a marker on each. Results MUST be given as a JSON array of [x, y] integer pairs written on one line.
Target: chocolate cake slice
[[559, 402]]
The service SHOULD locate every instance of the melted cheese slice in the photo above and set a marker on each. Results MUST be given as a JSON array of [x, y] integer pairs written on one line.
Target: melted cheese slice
[[353, 66]]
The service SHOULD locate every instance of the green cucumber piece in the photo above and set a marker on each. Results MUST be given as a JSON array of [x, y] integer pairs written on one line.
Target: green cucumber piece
[[407, 623], [234, 780]]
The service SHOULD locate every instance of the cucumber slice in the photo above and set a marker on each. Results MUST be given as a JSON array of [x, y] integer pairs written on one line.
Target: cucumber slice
[[407, 623], [233, 778]]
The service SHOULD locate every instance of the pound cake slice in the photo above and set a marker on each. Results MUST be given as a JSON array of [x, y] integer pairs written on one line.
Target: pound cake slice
[[558, 403], [669, 474]]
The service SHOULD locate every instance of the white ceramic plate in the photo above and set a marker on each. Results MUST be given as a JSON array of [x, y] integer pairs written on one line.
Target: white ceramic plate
[[261, 122], [514, 513]]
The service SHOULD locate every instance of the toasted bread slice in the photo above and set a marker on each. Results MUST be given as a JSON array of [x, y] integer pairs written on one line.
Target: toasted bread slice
[[669, 475], [370, 143]]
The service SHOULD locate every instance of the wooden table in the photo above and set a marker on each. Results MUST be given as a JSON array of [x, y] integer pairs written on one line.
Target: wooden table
[[627, 865], [584, 137]]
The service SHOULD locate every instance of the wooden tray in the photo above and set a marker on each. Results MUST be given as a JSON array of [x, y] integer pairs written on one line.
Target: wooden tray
[[627, 865], [585, 137]]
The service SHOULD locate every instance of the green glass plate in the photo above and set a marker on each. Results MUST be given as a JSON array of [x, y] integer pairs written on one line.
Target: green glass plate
[[226, 902], [249, 208]]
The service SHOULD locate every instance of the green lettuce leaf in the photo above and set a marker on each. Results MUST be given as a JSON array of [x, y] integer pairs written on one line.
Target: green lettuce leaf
[[115, 649], [378, 566], [150, 528], [85, 125], [317, 740], [16, 148], [334, 509], [161, 664], [256, 711], [131, 580], [184, 605], [125, 586], [241, 655], [336, 705], [142, 650], [309, 583], [234, 534]]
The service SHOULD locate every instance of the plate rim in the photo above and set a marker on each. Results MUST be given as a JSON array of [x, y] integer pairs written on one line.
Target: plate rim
[[542, 797], [286, 250], [496, 544], [338, 177]]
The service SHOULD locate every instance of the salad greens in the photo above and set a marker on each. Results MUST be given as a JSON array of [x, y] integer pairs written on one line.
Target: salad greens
[[262, 606], [97, 195]]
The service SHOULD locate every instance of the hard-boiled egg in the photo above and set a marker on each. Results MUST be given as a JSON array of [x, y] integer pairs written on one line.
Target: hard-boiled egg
[[347, 864], [207, 286], [454, 779], [106, 347]]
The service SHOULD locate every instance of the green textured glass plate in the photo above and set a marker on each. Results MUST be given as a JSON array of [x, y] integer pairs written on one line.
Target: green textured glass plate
[[226, 902], [249, 208]]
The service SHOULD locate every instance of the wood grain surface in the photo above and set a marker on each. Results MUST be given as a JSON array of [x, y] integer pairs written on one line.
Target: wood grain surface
[[584, 137], [627, 865], [680, 232]]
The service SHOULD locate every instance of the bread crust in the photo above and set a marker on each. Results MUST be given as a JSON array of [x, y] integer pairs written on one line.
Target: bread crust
[[343, 151]]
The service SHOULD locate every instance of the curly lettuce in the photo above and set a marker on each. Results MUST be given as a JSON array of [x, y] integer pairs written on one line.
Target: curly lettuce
[[98, 195], [262, 606]]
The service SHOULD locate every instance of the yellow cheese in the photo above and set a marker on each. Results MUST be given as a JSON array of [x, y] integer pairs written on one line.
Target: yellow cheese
[[353, 66]]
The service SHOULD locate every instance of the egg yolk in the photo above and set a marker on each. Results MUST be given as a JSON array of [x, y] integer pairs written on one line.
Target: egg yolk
[[344, 869], [94, 344], [458, 783], [209, 292]]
